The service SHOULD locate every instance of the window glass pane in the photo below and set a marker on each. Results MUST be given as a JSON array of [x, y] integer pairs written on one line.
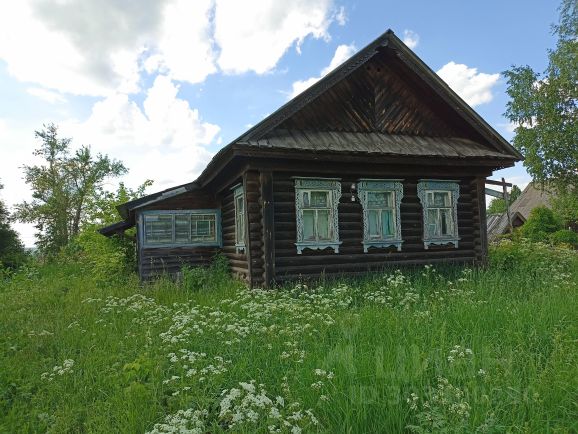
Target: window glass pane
[[305, 199], [387, 223], [319, 199], [182, 228], [441, 199], [239, 219], [203, 227], [432, 222], [159, 229], [381, 199], [373, 224], [309, 225], [323, 225], [445, 222], [430, 198]]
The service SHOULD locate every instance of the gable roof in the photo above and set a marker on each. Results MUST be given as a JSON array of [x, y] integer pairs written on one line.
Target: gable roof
[[521, 208], [417, 67], [270, 134]]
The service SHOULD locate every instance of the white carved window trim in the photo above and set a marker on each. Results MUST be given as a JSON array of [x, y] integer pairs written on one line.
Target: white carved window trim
[[240, 212], [452, 187], [393, 186], [333, 187]]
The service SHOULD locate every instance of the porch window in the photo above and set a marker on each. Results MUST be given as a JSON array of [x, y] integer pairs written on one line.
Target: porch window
[[316, 201], [181, 228], [239, 198], [439, 200], [381, 199]]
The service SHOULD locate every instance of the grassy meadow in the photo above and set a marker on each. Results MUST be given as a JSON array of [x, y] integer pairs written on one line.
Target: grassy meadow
[[418, 350]]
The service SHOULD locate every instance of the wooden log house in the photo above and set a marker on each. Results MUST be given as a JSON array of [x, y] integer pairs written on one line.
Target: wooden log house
[[378, 164]]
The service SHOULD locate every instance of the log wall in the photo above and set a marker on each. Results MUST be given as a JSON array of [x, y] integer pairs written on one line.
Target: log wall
[[351, 258], [237, 261]]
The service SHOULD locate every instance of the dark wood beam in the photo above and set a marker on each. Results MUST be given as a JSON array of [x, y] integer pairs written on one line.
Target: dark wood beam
[[268, 228]]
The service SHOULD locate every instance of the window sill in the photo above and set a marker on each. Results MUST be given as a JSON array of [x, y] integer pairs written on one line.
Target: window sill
[[381, 244], [441, 242], [318, 246], [176, 246]]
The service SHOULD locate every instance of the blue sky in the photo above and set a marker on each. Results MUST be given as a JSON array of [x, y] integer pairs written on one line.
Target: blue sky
[[162, 85]]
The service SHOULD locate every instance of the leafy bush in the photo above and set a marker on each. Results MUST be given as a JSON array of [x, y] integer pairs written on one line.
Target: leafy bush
[[105, 258], [565, 236], [541, 223], [198, 278], [531, 257]]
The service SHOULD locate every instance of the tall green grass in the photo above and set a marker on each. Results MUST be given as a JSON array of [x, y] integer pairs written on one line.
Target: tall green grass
[[421, 350]]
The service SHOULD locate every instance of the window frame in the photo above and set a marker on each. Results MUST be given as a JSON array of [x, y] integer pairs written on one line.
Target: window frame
[[240, 241], [426, 186], [217, 242], [332, 186], [393, 186]]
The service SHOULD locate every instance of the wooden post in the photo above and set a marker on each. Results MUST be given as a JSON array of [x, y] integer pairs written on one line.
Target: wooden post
[[268, 228], [248, 253], [481, 198], [507, 200]]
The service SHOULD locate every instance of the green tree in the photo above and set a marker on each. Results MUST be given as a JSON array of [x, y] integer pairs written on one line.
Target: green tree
[[544, 107], [101, 209], [12, 253], [565, 206], [498, 205], [62, 187], [106, 257]]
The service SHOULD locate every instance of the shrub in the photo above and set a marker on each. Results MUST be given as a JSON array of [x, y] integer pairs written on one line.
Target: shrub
[[105, 258], [565, 236], [530, 257], [198, 278], [541, 223]]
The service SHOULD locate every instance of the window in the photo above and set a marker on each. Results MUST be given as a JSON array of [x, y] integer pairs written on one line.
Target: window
[[439, 200], [316, 202], [380, 199], [181, 228], [239, 198]]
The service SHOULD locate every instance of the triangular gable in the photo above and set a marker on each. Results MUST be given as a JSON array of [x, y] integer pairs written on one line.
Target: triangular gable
[[384, 88]]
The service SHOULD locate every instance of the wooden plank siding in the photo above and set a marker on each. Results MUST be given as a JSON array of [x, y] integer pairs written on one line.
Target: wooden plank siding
[[154, 262], [351, 258]]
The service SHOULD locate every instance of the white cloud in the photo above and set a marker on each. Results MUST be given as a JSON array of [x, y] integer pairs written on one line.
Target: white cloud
[[342, 53], [473, 86], [99, 47], [410, 38], [166, 140], [46, 95], [16, 145], [185, 48], [341, 16], [84, 48], [254, 35]]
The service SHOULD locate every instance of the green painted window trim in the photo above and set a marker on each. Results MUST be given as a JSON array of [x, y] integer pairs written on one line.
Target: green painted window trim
[[217, 242], [240, 226], [426, 186], [393, 186], [333, 187]]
